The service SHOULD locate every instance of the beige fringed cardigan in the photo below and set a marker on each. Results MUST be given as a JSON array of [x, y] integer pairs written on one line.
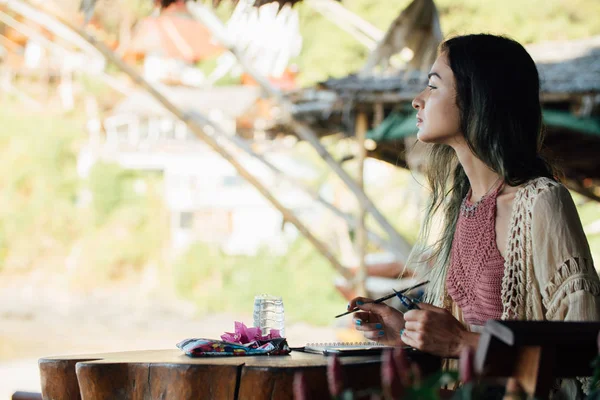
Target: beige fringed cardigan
[[548, 271]]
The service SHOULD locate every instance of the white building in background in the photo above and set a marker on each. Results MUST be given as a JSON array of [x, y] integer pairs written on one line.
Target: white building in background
[[211, 203], [208, 201]]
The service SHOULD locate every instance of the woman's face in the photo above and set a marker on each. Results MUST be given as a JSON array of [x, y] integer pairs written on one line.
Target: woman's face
[[438, 117]]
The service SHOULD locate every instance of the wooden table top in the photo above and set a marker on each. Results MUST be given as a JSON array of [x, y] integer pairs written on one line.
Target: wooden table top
[[170, 374], [295, 359]]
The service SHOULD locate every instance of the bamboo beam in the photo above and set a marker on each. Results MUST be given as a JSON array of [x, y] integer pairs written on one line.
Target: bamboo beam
[[215, 26], [351, 221], [361, 237], [199, 132]]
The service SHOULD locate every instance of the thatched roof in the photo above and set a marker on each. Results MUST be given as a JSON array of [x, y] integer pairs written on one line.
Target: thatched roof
[[571, 66], [566, 68]]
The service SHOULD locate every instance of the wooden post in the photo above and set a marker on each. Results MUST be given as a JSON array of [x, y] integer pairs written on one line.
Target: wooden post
[[361, 236], [378, 114]]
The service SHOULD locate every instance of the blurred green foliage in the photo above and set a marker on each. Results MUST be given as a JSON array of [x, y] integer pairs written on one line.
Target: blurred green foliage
[[216, 282], [111, 187], [38, 186], [42, 222]]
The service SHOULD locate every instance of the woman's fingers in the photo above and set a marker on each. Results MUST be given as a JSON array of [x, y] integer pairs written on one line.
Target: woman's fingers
[[368, 326], [364, 321], [413, 326], [361, 318], [409, 340], [374, 335], [358, 300]]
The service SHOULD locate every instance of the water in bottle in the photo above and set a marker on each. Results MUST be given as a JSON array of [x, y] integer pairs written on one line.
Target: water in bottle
[[269, 314]]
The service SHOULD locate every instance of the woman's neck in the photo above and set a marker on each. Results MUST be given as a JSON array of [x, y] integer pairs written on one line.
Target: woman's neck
[[481, 177]]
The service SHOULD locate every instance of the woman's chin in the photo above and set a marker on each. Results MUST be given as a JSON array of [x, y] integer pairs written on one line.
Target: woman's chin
[[423, 137], [432, 138]]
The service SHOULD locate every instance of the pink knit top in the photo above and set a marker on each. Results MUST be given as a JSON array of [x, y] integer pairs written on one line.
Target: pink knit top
[[474, 280]]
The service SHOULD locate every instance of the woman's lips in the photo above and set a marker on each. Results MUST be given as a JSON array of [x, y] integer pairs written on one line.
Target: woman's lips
[[419, 121]]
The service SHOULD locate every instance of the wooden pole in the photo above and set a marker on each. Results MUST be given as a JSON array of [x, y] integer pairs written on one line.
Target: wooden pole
[[361, 237], [215, 26], [198, 131]]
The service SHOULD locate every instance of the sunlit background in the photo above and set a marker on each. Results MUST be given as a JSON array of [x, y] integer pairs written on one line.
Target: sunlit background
[[121, 229]]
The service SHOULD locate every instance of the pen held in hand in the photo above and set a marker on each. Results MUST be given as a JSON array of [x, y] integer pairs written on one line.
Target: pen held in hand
[[407, 302], [384, 298]]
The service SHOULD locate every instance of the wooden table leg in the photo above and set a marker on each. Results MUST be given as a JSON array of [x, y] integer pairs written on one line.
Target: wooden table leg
[[58, 379], [140, 381]]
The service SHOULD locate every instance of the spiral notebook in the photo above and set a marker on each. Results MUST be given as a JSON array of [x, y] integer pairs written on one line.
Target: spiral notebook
[[346, 348]]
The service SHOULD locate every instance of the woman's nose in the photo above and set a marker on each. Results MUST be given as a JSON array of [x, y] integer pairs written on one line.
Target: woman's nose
[[417, 103]]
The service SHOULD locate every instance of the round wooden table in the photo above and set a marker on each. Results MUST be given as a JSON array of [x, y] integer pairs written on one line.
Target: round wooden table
[[169, 374]]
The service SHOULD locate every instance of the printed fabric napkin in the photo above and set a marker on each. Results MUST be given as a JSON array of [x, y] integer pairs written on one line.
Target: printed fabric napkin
[[243, 342]]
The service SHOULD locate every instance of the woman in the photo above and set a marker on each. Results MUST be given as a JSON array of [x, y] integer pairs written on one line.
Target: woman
[[512, 245]]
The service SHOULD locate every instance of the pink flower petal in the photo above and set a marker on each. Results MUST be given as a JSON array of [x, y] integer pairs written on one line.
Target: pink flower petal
[[275, 334], [255, 333], [230, 337]]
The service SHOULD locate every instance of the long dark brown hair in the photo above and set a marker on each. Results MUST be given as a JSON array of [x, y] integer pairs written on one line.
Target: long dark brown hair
[[497, 94]]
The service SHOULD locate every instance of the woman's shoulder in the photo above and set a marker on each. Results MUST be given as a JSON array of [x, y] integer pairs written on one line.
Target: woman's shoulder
[[536, 186], [542, 192]]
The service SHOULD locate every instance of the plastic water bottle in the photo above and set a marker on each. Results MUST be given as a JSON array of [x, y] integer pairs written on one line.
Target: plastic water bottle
[[269, 314]]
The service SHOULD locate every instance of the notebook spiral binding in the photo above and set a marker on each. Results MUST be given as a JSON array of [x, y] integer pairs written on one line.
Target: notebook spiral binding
[[337, 344]]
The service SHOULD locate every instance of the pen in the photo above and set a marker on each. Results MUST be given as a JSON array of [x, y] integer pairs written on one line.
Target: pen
[[407, 301], [387, 297]]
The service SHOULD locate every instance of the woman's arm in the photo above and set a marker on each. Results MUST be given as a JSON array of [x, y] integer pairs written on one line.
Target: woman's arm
[[562, 261]]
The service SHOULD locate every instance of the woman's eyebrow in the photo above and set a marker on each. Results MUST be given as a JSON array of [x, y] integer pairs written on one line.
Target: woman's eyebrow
[[434, 74]]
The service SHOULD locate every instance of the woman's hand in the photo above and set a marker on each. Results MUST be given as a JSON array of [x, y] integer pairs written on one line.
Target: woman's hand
[[378, 322], [434, 330]]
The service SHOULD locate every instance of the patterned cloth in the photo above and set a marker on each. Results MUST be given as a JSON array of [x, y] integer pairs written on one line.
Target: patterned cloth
[[243, 342], [210, 347]]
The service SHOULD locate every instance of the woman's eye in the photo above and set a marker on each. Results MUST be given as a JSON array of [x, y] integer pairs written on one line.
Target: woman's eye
[[431, 87]]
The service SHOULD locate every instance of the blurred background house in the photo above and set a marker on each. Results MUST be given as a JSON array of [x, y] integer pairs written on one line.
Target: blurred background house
[[208, 201]]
